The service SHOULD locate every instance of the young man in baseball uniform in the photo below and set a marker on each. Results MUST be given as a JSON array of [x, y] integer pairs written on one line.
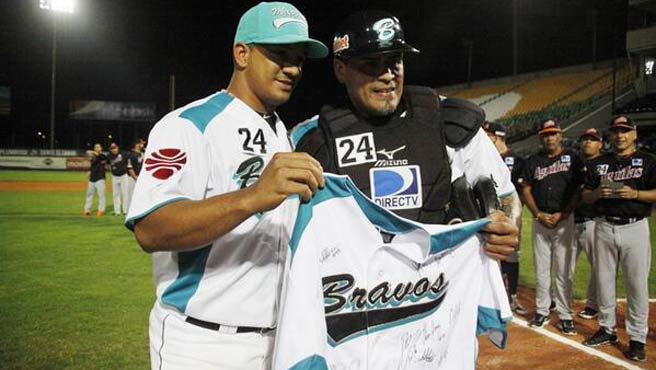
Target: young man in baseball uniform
[[394, 141], [510, 267], [622, 185], [96, 180], [551, 183], [118, 163], [211, 203], [590, 148]]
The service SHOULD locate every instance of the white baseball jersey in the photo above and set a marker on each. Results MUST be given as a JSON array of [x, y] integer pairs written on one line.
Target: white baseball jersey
[[367, 289], [480, 158], [210, 147]]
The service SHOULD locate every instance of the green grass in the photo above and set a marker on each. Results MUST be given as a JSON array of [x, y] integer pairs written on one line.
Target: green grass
[[18, 175], [75, 291]]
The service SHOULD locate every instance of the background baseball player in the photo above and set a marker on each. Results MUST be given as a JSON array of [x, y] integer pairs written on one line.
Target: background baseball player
[[623, 185], [590, 148], [510, 267], [550, 184], [210, 203], [135, 162], [96, 180], [118, 162], [391, 139]]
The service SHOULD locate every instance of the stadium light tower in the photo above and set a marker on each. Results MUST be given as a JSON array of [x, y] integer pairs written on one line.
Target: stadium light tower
[[55, 6]]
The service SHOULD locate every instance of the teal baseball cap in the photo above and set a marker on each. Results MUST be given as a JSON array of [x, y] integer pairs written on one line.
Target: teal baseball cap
[[277, 23]]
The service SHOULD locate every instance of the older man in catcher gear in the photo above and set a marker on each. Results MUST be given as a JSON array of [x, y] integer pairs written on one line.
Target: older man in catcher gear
[[403, 146]]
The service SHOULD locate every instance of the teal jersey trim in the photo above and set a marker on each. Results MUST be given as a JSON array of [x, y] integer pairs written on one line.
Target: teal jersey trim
[[132, 221], [191, 266], [303, 129], [201, 115], [314, 362], [342, 187], [451, 238], [491, 323]]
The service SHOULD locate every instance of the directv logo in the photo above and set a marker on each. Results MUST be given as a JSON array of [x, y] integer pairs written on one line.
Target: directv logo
[[396, 187]]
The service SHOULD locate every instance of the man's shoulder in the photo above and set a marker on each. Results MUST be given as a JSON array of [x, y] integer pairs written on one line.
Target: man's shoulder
[[199, 114], [305, 131]]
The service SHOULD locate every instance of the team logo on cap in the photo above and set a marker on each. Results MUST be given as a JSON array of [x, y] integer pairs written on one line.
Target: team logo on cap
[[340, 44], [165, 162], [396, 187], [287, 16], [385, 29]]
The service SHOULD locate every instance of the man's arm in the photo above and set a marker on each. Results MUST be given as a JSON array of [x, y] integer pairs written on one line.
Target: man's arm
[[511, 205], [532, 206], [189, 224]]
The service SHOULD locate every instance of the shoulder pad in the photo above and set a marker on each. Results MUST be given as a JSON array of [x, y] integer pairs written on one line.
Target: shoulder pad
[[462, 120], [302, 129]]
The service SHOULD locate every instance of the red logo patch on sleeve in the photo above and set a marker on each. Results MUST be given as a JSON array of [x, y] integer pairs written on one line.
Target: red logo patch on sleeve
[[165, 162]]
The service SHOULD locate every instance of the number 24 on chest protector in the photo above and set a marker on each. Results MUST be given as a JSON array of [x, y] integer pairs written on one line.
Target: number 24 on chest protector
[[355, 149]]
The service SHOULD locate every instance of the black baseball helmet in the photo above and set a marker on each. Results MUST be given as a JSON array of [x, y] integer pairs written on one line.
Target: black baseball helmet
[[369, 32]]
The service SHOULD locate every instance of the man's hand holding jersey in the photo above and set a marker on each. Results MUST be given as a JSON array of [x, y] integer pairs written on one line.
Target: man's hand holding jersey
[[501, 236], [285, 175]]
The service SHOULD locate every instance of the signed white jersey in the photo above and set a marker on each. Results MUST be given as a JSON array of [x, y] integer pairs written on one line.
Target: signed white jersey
[[210, 147], [367, 289]]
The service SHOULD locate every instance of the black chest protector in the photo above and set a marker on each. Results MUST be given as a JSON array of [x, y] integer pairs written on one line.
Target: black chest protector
[[401, 165]]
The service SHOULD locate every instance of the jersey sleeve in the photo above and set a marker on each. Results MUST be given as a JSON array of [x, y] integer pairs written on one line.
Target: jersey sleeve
[[176, 167], [301, 335], [480, 158], [650, 175], [493, 307], [526, 175]]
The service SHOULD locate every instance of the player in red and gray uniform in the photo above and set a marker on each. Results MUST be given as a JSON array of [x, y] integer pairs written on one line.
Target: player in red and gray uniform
[[590, 145], [622, 184], [96, 180], [551, 180], [510, 267], [118, 162]]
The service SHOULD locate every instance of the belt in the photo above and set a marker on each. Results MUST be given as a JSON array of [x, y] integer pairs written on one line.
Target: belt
[[218, 327], [622, 220], [580, 220]]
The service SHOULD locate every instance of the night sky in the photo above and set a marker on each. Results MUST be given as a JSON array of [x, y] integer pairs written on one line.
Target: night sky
[[125, 50]]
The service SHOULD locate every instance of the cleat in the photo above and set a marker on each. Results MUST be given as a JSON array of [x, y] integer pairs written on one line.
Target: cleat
[[567, 327], [636, 351], [99, 213], [539, 321], [516, 307], [87, 213], [601, 337], [588, 313]]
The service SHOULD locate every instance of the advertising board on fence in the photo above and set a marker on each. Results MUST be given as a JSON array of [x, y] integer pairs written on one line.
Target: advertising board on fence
[[37, 163]]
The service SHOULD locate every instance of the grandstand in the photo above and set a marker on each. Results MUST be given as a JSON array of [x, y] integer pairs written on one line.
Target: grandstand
[[563, 94]]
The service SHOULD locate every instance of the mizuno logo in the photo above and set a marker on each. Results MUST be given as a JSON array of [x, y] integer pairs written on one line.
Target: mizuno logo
[[390, 154], [165, 162], [352, 311], [279, 22]]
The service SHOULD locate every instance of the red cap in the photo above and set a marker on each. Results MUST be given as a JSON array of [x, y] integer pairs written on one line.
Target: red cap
[[549, 125], [592, 132], [622, 122]]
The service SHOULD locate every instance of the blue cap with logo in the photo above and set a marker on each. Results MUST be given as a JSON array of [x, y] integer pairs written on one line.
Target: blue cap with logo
[[277, 23]]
